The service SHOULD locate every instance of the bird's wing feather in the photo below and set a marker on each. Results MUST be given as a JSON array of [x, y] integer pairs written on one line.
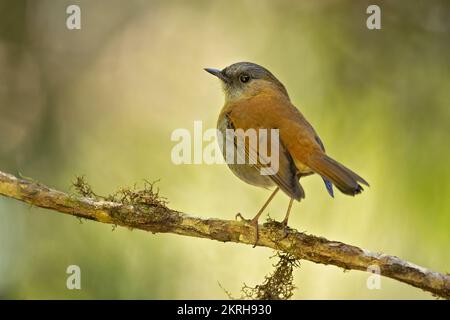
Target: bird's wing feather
[[269, 110], [286, 177]]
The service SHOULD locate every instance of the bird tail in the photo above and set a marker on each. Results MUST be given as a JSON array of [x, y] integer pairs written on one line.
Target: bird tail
[[342, 177]]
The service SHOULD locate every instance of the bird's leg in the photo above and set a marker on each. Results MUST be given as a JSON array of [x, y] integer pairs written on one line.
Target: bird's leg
[[286, 218], [255, 219]]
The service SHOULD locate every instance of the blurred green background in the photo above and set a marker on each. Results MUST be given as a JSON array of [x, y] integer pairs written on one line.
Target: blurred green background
[[102, 101]]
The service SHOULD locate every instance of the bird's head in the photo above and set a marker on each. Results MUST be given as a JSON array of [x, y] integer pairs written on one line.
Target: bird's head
[[245, 79]]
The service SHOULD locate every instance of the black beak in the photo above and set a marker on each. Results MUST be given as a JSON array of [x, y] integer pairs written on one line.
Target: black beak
[[217, 73]]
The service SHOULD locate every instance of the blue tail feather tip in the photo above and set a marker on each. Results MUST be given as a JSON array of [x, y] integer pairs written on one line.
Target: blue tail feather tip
[[329, 186]]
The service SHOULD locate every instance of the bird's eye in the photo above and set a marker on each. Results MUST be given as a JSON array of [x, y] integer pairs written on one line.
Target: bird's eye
[[244, 78]]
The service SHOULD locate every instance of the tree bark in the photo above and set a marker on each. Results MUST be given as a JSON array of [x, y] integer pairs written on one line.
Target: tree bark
[[156, 217]]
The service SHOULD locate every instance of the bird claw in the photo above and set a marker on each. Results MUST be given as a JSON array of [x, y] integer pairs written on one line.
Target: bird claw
[[253, 222], [285, 230], [239, 215], [283, 227]]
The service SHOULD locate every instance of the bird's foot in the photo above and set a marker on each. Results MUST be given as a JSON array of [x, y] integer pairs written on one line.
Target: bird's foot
[[286, 229], [281, 229], [239, 215], [254, 223]]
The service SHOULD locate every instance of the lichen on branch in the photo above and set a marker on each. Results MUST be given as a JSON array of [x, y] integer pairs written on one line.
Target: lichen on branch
[[144, 209]]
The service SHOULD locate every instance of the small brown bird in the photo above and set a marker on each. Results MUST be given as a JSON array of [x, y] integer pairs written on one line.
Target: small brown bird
[[255, 99]]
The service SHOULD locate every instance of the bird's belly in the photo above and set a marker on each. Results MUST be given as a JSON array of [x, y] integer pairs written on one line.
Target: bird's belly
[[245, 172], [251, 175]]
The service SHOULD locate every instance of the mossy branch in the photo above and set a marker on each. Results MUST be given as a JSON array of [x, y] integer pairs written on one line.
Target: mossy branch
[[143, 210]]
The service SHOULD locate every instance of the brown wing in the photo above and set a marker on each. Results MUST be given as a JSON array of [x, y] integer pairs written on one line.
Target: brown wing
[[285, 177], [297, 136], [273, 111]]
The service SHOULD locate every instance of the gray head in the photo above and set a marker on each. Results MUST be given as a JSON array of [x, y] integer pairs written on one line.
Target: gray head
[[245, 79]]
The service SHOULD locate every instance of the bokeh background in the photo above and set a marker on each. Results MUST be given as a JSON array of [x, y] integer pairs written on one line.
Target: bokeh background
[[103, 101]]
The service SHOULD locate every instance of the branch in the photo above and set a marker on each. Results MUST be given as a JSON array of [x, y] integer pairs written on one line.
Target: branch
[[155, 217]]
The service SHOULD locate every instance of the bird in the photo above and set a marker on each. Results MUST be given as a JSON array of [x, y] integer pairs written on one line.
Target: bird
[[256, 99]]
